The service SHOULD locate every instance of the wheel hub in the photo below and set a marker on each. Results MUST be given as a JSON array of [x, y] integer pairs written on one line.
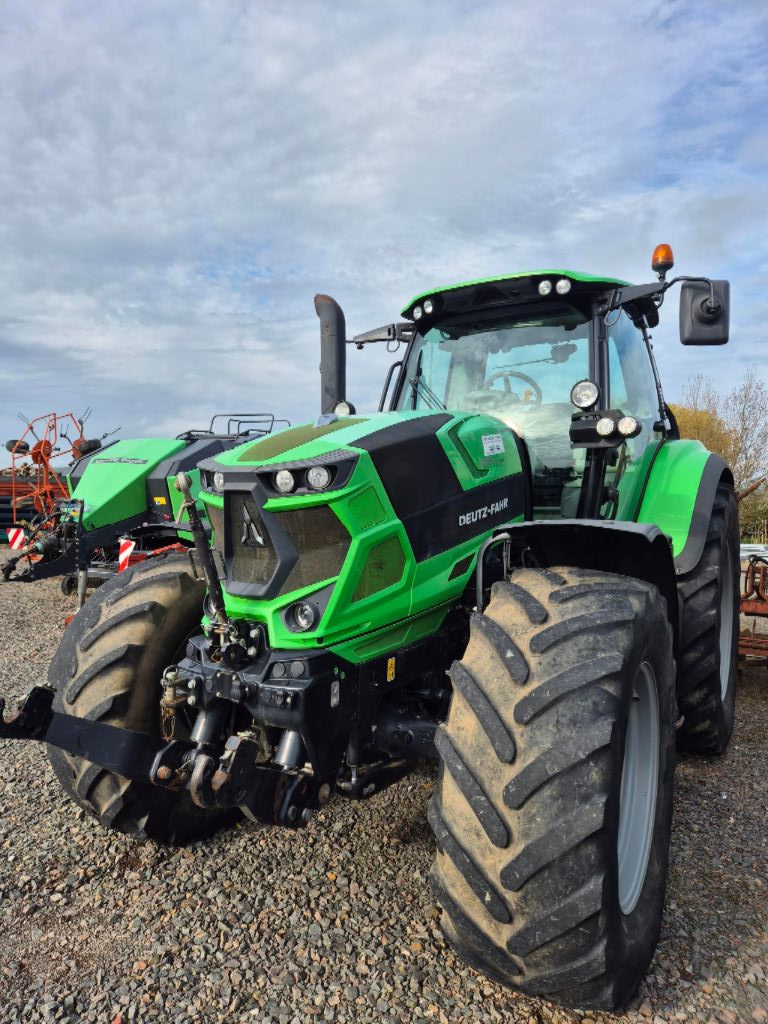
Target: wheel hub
[[726, 624], [639, 783]]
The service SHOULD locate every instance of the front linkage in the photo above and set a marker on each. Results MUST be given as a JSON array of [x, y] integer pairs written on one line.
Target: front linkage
[[267, 792], [312, 702]]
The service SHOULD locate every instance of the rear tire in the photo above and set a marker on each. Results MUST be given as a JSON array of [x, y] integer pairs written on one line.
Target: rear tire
[[108, 668], [546, 884], [710, 634]]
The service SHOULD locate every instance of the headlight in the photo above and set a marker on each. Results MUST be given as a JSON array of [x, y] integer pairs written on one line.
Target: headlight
[[563, 286], [428, 306], [304, 616], [318, 477], [284, 481], [292, 479], [585, 394], [218, 481], [545, 287], [344, 409], [417, 313], [629, 427], [605, 426]]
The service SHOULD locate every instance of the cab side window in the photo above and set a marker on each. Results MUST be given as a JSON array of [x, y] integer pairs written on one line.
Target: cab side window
[[632, 383]]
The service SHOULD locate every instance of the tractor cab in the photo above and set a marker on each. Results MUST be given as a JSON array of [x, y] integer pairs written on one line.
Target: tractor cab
[[526, 349]]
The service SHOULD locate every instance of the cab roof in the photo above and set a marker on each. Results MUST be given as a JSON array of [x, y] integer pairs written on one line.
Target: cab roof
[[492, 291]]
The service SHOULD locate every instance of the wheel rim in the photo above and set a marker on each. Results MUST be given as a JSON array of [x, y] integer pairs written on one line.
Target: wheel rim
[[639, 783], [726, 624]]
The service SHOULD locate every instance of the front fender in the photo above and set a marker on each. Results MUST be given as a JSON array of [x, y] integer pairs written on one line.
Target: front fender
[[630, 549], [679, 495]]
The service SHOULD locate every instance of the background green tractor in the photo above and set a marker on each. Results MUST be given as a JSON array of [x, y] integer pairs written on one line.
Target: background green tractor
[[120, 491], [518, 570]]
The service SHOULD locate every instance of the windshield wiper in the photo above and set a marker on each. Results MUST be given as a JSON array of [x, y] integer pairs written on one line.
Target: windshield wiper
[[418, 384]]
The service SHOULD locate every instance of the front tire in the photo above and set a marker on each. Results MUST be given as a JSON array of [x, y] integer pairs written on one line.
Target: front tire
[[108, 669], [553, 807], [710, 634]]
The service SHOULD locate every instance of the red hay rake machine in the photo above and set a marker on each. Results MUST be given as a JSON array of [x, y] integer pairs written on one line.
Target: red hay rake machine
[[31, 487], [35, 483], [754, 602], [754, 596]]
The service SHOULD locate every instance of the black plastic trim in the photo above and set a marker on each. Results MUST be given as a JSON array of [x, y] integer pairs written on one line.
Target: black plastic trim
[[439, 527], [341, 463], [416, 477], [426, 494]]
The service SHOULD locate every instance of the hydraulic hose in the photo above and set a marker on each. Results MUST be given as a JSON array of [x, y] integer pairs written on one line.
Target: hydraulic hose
[[215, 593]]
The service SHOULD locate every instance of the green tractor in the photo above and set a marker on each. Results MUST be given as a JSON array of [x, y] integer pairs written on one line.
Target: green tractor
[[122, 506], [519, 570]]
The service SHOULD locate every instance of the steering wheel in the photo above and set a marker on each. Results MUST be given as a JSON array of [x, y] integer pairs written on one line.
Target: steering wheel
[[506, 376]]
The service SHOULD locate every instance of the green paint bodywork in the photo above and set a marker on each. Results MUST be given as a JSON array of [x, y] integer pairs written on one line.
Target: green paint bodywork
[[115, 490], [414, 605], [672, 488], [608, 282], [632, 482]]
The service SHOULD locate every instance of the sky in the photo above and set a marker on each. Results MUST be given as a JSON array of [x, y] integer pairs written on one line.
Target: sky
[[178, 178]]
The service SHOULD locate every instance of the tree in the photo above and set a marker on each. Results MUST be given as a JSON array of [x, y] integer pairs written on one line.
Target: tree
[[735, 426]]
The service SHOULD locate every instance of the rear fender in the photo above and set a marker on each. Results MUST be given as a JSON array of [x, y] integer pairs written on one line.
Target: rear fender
[[631, 549], [679, 495]]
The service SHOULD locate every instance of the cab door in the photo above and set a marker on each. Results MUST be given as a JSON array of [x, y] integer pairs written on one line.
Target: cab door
[[634, 390]]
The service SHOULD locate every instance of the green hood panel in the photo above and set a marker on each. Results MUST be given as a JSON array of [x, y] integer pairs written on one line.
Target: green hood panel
[[310, 441], [296, 437], [114, 484]]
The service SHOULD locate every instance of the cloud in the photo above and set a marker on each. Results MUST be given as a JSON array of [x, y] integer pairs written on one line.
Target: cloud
[[177, 180]]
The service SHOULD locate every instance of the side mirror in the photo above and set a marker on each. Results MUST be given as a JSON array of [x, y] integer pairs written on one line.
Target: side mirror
[[704, 312]]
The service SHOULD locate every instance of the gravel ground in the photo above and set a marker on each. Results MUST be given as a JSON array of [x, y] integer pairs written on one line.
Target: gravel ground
[[335, 922]]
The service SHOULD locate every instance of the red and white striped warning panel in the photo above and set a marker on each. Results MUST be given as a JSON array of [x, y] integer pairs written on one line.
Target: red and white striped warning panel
[[16, 537], [124, 555]]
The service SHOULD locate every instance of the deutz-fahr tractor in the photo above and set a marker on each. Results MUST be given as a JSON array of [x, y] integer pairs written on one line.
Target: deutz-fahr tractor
[[518, 570], [121, 498]]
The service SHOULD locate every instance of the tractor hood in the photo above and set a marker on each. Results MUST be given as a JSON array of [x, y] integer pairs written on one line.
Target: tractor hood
[[423, 460], [395, 432], [355, 510], [113, 485]]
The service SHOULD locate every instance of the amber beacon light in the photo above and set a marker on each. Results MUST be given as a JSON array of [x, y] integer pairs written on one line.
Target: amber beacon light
[[662, 260]]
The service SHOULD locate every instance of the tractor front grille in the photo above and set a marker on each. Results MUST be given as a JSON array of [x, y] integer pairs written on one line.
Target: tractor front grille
[[252, 557], [321, 542]]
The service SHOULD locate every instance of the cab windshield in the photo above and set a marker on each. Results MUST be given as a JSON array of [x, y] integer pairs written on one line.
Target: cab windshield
[[519, 369]]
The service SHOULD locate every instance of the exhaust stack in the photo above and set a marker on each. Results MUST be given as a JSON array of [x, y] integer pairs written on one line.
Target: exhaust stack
[[333, 352]]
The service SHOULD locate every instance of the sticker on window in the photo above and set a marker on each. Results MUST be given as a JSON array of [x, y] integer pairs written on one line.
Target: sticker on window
[[493, 444]]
